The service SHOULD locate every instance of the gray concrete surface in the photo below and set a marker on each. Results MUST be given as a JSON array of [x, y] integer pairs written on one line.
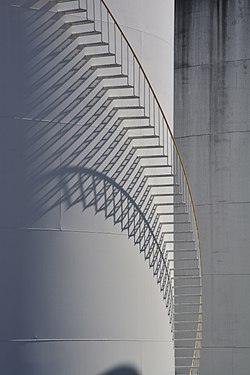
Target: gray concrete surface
[[212, 128]]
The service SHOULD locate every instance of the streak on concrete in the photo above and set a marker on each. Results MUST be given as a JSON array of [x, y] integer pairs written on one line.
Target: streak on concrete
[[212, 124]]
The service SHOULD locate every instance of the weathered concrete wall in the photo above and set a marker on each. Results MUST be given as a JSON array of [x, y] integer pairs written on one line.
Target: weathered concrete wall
[[212, 127]]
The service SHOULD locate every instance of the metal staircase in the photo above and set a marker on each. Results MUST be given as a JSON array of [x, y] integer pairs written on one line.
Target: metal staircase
[[123, 159]]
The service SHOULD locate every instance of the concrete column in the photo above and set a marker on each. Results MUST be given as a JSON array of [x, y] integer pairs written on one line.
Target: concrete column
[[212, 127]]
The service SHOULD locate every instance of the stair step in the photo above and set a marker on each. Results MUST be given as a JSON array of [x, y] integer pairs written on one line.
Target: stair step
[[128, 107], [182, 241], [158, 166], [168, 204], [183, 250], [95, 55], [118, 87], [104, 66], [73, 11], [153, 156], [144, 137], [135, 118], [184, 260], [111, 76], [188, 313], [183, 268], [186, 321], [186, 330], [94, 44], [175, 232], [148, 147], [177, 357], [188, 339], [64, 1], [189, 295], [167, 194], [177, 213], [125, 97], [184, 348], [86, 33], [79, 22], [163, 185], [141, 127], [188, 303]]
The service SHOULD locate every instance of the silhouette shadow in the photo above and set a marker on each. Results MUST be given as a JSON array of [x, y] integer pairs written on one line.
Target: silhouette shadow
[[121, 371]]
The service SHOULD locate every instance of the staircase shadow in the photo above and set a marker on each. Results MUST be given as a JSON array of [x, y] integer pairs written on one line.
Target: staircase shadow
[[124, 370]]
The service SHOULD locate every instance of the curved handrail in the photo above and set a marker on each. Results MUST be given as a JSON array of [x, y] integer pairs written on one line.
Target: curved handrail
[[124, 55], [178, 153], [164, 117]]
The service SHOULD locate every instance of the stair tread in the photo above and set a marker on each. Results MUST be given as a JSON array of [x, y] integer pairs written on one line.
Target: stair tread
[[119, 87], [159, 166], [63, 1], [128, 107], [135, 118], [123, 97], [73, 11], [164, 185], [149, 146], [79, 22], [94, 44], [89, 56], [100, 66], [83, 33], [177, 357], [153, 157], [112, 76]]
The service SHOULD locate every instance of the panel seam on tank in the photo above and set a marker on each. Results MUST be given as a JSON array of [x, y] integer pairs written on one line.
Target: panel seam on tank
[[221, 202], [226, 347], [52, 122], [146, 32], [226, 274], [60, 230], [37, 340], [211, 134], [211, 63]]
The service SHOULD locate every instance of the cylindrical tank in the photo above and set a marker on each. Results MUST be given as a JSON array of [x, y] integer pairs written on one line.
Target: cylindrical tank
[[212, 127], [77, 297]]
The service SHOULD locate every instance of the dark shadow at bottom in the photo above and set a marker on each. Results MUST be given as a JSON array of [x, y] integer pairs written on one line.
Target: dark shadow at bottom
[[124, 370]]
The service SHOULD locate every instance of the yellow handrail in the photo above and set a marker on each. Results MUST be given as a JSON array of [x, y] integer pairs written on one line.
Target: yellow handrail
[[179, 157]]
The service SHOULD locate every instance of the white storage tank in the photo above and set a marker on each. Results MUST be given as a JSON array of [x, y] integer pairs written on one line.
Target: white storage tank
[[77, 297]]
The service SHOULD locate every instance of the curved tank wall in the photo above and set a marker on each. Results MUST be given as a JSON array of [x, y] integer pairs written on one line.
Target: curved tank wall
[[76, 295], [212, 126], [149, 27]]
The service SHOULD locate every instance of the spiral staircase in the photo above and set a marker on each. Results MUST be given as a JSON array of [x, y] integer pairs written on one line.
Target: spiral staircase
[[85, 75]]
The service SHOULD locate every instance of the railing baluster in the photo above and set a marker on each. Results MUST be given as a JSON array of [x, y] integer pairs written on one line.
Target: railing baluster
[[115, 43], [121, 55], [139, 84], [94, 13], [149, 104], [144, 95], [101, 20], [134, 83], [128, 63], [109, 42]]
